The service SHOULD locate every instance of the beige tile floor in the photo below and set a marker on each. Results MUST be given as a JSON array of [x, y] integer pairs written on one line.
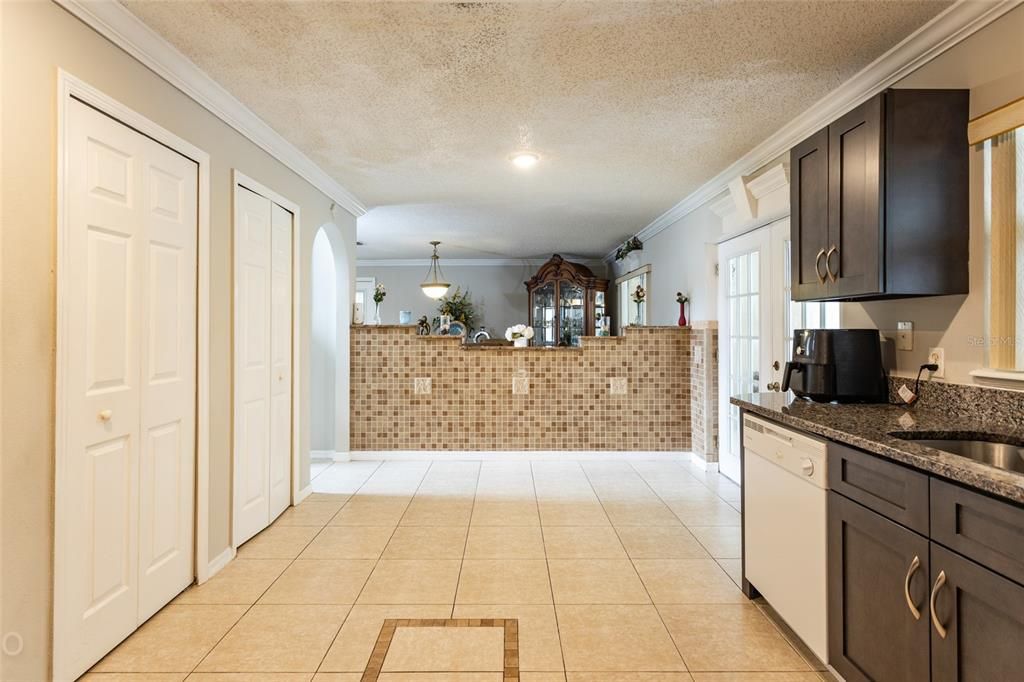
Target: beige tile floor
[[618, 571]]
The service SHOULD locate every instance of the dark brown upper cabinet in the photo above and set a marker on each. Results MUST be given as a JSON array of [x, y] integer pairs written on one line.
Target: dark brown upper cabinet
[[879, 200]]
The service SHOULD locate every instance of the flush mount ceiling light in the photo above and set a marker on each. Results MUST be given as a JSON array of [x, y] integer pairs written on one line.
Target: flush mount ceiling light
[[524, 159], [434, 285]]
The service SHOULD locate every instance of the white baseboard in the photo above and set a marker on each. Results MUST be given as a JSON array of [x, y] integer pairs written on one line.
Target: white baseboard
[[214, 567], [304, 493], [518, 455], [701, 463], [342, 457], [322, 455]]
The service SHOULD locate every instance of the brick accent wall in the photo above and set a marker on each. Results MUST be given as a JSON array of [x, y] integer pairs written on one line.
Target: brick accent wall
[[704, 390], [431, 393]]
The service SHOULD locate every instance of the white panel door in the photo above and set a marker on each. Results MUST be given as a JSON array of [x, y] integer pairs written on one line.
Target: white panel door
[[280, 361], [97, 563], [168, 370], [125, 505], [252, 364]]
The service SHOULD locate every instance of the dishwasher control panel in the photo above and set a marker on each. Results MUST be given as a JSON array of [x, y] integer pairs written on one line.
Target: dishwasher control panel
[[798, 453]]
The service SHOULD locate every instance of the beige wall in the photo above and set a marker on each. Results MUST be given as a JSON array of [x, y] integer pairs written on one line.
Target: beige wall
[[37, 39]]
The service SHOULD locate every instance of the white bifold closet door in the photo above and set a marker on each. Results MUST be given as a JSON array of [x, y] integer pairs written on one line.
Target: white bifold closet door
[[263, 362], [125, 507]]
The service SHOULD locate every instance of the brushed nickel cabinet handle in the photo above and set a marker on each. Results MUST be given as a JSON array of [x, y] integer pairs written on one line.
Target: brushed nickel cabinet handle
[[914, 565], [939, 582], [832, 276], [817, 269]]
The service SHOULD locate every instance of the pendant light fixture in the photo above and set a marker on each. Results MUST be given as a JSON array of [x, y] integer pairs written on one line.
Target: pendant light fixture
[[434, 286]]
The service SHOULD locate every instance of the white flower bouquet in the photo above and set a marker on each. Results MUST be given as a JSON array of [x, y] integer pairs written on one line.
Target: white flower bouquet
[[519, 334]]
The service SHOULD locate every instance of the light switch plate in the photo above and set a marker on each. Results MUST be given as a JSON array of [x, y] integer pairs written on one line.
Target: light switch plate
[[904, 335], [617, 386], [520, 385]]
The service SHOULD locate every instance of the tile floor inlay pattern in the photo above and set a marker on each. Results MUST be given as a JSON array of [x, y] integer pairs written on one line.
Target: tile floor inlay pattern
[[612, 571], [388, 631]]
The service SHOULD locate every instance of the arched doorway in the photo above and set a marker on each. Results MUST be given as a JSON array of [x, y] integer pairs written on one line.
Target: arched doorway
[[329, 348]]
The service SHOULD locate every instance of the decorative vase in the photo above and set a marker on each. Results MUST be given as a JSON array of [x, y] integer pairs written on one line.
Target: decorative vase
[[639, 313], [376, 314], [521, 342], [682, 314]]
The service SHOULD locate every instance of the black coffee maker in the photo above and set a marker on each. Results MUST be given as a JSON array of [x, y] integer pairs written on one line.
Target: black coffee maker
[[841, 365]]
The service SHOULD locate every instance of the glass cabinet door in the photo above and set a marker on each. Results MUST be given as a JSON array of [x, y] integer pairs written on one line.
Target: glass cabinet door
[[544, 315], [599, 312], [571, 308]]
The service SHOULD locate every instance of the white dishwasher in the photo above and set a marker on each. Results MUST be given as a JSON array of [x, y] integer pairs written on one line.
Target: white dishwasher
[[784, 521]]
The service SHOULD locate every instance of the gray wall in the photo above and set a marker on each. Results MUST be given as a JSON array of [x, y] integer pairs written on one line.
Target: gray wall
[[498, 292]]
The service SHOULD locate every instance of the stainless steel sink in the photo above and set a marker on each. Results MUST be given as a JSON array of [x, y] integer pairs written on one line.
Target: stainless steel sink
[[1000, 455]]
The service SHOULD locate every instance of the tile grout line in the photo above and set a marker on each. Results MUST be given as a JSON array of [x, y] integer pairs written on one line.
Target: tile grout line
[[376, 562], [291, 562], [465, 542], [547, 566], [615, 530]]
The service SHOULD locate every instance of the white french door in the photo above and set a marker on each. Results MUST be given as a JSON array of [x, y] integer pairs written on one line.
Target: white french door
[[127, 378], [756, 321], [263, 362], [744, 328]]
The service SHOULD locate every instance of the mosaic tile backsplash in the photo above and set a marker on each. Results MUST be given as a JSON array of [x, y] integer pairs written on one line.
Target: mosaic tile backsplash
[[615, 393]]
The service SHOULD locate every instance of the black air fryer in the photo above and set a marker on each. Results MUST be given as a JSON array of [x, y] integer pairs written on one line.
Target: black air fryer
[[841, 365]]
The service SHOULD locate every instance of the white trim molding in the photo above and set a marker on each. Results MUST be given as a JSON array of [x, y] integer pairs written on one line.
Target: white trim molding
[[116, 23], [953, 25], [518, 455], [215, 566], [999, 378]]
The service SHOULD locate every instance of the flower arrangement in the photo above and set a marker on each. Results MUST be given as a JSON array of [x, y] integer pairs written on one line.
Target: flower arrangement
[[519, 334], [682, 300], [379, 292], [639, 296], [459, 307], [628, 246]]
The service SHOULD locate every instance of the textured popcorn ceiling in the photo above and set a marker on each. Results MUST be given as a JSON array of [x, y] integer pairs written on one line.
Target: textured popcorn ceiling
[[415, 106]]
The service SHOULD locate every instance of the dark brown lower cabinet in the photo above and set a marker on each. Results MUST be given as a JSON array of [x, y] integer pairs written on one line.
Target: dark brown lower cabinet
[[877, 596], [981, 615]]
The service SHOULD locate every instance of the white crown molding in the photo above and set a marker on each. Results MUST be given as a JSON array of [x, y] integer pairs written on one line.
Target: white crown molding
[[469, 262], [774, 179], [117, 24], [956, 23]]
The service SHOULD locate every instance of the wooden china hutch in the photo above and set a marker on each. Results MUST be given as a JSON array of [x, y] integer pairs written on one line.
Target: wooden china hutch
[[566, 302]]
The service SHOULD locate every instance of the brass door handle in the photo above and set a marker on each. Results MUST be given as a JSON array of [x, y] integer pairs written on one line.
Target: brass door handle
[[832, 276], [939, 582], [817, 270], [914, 565]]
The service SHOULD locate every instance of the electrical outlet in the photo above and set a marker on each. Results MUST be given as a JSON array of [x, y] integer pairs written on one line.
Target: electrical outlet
[[937, 356], [904, 336]]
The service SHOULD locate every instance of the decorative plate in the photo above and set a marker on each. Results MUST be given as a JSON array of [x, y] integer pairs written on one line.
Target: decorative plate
[[456, 328]]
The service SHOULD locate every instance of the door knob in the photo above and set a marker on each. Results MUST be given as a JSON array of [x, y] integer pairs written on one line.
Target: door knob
[[775, 365], [105, 415]]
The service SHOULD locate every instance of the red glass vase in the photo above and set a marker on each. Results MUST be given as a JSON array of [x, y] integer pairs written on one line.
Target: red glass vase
[[682, 314]]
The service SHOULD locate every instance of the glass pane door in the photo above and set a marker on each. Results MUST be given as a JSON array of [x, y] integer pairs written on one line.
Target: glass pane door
[[571, 305], [544, 315], [744, 334]]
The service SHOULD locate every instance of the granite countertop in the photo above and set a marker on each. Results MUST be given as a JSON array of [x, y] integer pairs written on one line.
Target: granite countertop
[[868, 427]]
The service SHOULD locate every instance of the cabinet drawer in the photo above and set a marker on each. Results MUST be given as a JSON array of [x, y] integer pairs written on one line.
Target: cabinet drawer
[[986, 530], [893, 491]]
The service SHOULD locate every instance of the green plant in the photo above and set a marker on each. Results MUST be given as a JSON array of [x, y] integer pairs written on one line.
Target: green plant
[[628, 246], [459, 306]]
